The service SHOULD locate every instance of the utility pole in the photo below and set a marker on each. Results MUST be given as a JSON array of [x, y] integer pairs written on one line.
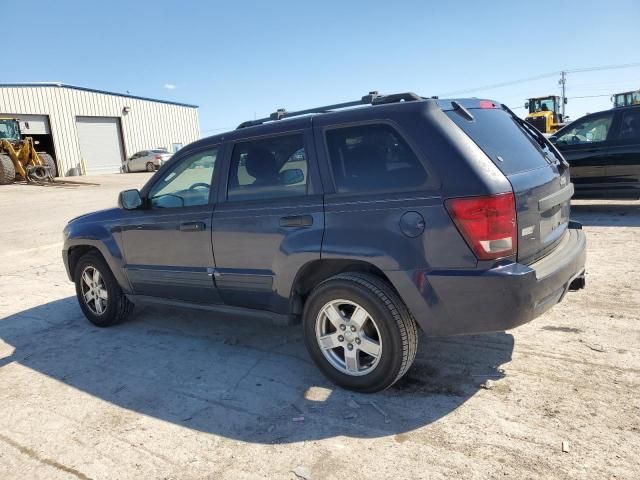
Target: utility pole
[[563, 82]]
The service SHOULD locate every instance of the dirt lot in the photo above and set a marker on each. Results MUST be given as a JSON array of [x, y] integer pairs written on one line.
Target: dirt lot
[[186, 394]]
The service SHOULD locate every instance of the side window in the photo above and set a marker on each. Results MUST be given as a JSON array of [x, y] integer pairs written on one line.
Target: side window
[[630, 127], [268, 168], [188, 184], [591, 130], [373, 157]]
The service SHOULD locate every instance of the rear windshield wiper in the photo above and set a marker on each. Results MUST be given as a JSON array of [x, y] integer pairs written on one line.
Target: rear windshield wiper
[[539, 138]]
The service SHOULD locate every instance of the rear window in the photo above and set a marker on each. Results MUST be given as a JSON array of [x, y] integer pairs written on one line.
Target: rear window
[[502, 139]]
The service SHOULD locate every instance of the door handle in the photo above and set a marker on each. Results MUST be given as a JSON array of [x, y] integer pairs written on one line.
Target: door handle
[[192, 227], [296, 221]]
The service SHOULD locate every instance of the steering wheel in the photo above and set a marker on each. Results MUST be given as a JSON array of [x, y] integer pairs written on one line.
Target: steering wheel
[[200, 185]]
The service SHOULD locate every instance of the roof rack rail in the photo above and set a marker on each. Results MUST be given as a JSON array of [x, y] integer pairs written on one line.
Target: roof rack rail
[[372, 98]]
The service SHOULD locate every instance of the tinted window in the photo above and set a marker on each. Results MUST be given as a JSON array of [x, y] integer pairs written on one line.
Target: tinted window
[[268, 168], [501, 139], [188, 184], [373, 158], [590, 130], [630, 127]]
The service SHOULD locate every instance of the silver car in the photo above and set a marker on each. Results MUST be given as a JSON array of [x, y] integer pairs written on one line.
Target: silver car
[[149, 160]]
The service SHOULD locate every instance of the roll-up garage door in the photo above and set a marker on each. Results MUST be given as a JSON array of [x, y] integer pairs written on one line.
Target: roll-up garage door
[[100, 144]]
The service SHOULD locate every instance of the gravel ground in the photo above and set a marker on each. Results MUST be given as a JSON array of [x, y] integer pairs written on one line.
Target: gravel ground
[[186, 394]]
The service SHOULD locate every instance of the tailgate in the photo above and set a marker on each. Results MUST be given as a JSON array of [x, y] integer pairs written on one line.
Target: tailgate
[[543, 203], [539, 178]]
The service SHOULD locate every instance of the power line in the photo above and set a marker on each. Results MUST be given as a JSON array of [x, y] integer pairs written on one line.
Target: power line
[[502, 84], [604, 67], [540, 77], [592, 96]]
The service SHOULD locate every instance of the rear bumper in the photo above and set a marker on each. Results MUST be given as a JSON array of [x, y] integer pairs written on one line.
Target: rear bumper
[[458, 302]]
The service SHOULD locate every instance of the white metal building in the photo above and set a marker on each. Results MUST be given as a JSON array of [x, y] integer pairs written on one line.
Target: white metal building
[[92, 131]]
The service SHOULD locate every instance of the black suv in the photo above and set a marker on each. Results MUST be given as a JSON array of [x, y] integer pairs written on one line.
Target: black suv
[[365, 223], [603, 150]]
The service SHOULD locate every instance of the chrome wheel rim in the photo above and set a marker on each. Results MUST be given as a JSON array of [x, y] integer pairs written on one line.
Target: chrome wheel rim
[[94, 290], [348, 337]]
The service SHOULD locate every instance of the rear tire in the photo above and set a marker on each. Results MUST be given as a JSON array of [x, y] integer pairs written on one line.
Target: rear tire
[[371, 320], [99, 295], [7, 170], [49, 162], [151, 167]]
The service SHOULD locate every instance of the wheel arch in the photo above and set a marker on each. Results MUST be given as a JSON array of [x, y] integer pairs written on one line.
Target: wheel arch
[[317, 271], [75, 250]]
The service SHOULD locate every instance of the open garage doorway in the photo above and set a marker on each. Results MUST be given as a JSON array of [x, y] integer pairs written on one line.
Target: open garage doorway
[[38, 128]]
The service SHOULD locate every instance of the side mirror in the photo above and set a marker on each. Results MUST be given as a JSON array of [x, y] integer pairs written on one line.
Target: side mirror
[[553, 139], [526, 104], [292, 176], [130, 200]]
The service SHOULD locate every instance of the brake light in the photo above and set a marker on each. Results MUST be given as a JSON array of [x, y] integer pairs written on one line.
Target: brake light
[[158, 157], [488, 224], [487, 104]]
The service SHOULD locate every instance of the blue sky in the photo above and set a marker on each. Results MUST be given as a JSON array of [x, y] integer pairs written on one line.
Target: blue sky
[[240, 59]]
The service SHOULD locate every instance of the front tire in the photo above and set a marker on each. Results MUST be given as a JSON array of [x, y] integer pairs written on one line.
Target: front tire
[[7, 170], [99, 295], [359, 332], [49, 163]]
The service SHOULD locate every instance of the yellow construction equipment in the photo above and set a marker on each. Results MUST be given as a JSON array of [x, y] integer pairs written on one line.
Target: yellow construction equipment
[[626, 98], [18, 156], [545, 113]]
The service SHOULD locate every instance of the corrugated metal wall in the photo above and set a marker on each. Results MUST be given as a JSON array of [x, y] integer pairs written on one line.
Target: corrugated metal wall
[[147, 125]]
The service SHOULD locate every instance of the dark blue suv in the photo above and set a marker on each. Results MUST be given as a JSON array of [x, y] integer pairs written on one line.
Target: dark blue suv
[[366, 220]]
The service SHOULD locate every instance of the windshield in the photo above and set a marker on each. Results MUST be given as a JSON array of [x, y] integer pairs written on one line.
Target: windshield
[[542, 105], [627, 98], [588, 130], [9, 130]]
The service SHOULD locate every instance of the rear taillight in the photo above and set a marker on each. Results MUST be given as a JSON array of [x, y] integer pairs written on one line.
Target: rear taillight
[[488, 224], [158, 157]]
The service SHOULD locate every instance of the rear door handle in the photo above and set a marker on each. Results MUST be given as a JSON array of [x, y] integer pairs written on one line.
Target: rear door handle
[[192, 227], [296, 221]]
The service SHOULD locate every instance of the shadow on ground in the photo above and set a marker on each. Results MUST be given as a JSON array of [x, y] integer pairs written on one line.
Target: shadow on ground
[[239, 377], [607, 214]]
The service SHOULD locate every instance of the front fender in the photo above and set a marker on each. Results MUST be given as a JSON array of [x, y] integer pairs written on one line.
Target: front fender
[[106, 240]]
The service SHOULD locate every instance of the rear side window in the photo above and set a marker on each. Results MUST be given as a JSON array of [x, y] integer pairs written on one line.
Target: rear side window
[[373, 157], [268, 168], [501, 139]]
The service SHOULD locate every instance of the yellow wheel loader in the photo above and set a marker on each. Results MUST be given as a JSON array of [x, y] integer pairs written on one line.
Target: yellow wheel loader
[[544, 113], [18, 156]]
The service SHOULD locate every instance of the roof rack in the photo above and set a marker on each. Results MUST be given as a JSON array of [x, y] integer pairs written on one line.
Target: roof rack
[[372, 98]]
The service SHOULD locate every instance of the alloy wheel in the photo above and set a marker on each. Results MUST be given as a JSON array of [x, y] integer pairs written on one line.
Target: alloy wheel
[[94, 290], [348, 337]]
